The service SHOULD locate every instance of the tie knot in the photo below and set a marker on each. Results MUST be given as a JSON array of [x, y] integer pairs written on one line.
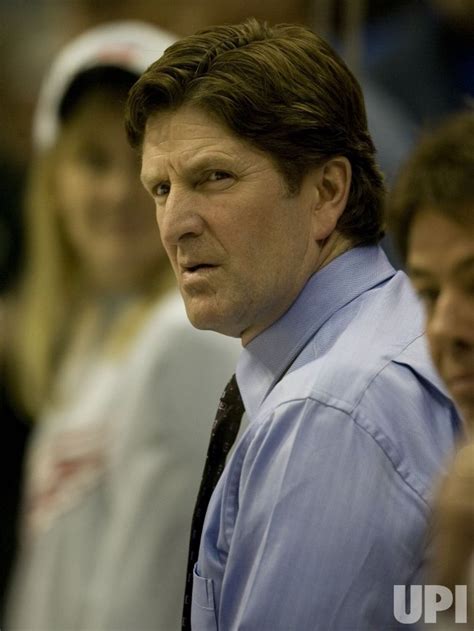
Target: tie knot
[[231, 403]]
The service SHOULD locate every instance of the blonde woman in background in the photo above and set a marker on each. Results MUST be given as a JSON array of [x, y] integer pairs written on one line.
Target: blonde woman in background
[[123, 388]]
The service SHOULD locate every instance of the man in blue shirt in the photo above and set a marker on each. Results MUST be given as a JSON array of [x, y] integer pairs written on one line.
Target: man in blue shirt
[[256, 152]]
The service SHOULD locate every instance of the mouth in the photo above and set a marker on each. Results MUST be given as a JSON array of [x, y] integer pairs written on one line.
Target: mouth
[[196, 268], [196, 271]]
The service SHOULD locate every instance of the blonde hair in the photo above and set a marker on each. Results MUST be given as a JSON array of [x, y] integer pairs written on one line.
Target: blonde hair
[[46, 288], [50, 292]]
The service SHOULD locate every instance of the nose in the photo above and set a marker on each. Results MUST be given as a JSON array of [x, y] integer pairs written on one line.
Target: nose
[[450, 322], [179, 218]]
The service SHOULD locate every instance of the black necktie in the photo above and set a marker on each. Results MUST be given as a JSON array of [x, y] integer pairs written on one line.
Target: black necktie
[[224, 431]]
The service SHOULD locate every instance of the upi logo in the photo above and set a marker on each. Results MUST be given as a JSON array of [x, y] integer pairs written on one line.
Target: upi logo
[[428, 600]]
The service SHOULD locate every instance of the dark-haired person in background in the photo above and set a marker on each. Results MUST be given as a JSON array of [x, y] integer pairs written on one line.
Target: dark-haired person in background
[[431, 212], [256, 152]]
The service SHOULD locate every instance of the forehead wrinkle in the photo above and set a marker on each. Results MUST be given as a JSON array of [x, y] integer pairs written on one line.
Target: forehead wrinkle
[[196, 158], [184, 147], [166, 129], [192, 155]]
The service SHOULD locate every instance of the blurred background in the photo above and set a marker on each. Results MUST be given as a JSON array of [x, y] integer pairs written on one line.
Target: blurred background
[[414, 58]]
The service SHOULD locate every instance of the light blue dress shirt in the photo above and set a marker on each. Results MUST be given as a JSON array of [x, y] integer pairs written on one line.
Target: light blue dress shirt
[[324, 504]]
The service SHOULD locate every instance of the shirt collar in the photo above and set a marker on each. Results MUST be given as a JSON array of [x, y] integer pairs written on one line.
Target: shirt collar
[[267, 357]]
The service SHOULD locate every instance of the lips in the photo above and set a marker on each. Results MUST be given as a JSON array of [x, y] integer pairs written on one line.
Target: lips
[[195, 264], [198, 266], [194, 271]]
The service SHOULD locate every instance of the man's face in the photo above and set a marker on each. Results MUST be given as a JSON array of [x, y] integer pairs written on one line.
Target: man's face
[[242, 248], [441, 265]]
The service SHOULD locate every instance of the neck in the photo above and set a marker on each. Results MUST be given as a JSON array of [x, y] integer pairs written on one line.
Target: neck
[[332, 247]]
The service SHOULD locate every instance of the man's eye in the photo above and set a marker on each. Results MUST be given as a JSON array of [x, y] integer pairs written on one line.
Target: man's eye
[[161, 189], [215, 176]]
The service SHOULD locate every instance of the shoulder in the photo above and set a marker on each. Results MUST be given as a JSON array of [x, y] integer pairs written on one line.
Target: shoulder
[[374, 343], [378, 344], [373, 382], [399, 422]]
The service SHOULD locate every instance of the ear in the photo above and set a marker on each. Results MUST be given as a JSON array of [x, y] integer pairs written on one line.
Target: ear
[[332, 185]]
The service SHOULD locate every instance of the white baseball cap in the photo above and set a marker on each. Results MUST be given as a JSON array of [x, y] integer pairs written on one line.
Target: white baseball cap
[[128, 45]]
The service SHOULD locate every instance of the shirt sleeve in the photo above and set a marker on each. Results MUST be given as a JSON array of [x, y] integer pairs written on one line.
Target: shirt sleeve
[[326, 525], [140, 571]]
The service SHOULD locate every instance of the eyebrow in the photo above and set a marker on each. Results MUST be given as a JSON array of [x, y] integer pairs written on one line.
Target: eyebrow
[[196, 165]]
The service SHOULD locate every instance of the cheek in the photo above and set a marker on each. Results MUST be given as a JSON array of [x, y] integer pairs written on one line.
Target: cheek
[[277, 243], [159, 226], [77, 211], [158, 217], [73, 192], [142, 204], [169, 253]]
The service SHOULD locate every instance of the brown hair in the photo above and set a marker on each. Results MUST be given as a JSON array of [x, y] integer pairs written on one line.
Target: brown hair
[[285, 91], [438, 175]]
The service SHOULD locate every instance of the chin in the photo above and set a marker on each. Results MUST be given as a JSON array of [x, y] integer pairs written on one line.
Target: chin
[[209, 320]]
